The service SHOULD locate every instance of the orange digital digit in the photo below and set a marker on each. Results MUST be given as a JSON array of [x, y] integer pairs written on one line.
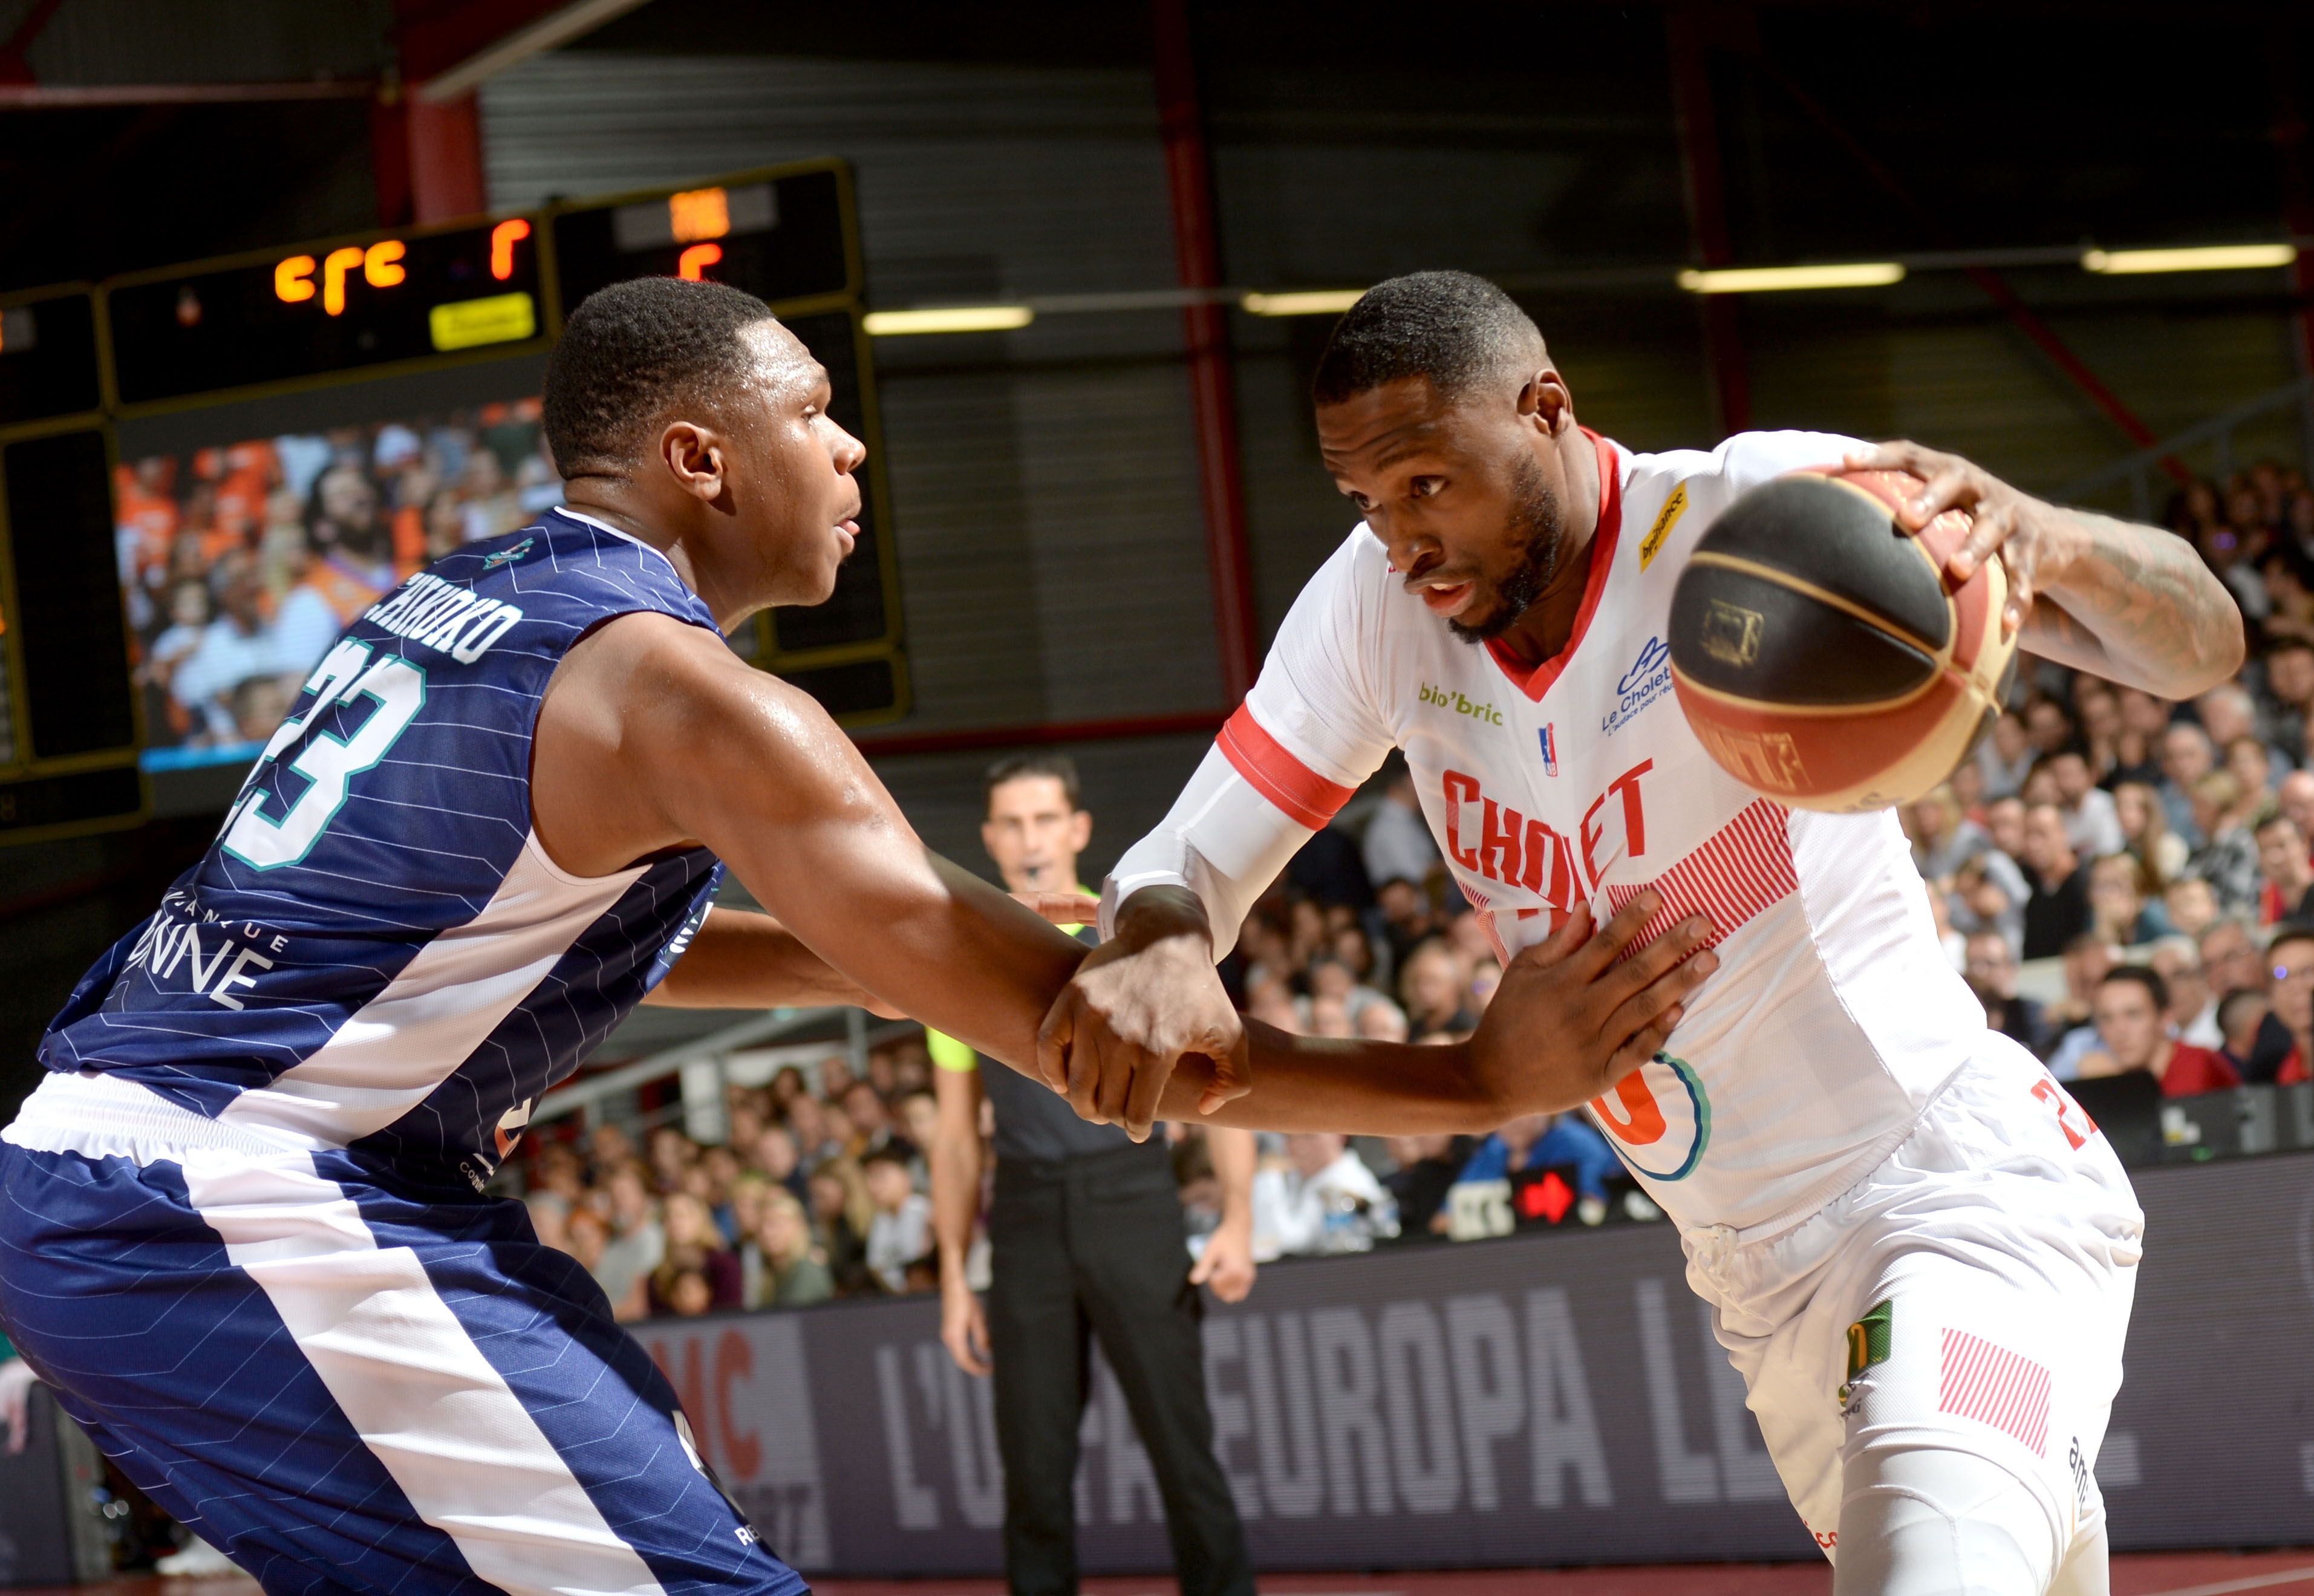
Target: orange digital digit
[[696, 260], [378, 267], [293, 279], [503, 238], [334, 268], [699, 213]]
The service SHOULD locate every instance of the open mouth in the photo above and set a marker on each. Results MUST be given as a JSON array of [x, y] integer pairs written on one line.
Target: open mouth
[[1447, 600]]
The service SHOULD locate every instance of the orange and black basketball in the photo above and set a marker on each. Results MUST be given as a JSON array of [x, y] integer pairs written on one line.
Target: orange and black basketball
[[1820, 652]]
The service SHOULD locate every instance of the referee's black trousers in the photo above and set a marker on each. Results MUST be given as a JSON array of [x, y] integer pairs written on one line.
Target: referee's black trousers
[[1093, 1246]]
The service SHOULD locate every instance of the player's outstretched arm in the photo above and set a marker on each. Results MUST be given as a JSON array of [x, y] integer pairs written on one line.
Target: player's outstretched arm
[[2131, 604], [1133, 1034], [654, 736]]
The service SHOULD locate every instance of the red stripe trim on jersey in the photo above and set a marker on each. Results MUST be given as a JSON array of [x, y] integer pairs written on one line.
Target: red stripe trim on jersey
[[1534, 681], [1305, 796], [1743, 869], [1994, 1386]]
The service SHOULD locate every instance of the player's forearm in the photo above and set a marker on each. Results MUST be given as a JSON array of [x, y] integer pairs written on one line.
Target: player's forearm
[[1219, 846], [740, 959], [1354, 1087], [2136, 606]]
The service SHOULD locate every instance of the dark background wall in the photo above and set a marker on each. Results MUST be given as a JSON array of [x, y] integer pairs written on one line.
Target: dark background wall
[[1046, 482]]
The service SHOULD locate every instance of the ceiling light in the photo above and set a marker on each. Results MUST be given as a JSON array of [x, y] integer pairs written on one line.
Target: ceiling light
[[1322, 302], [1772, 279], [960, 318], [2230, 257]]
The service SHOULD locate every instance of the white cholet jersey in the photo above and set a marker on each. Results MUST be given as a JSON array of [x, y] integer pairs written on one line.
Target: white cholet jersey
[[1833, 1019]]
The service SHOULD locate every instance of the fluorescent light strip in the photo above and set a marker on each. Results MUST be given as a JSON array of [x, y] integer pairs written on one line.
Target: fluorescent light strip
[[961, 318], [1323, 302], [1775, 279], [2232, 257]]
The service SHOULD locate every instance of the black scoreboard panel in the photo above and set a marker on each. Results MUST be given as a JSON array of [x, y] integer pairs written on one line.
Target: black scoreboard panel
[[48, 357], [315, 310], [69, 760], [251, 331]]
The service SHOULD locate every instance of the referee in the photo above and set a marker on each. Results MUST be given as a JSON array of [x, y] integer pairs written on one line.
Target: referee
[[1087, 1240]]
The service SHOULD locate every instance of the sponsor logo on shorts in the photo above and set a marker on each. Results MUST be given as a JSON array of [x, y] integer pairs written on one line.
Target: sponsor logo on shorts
[[1673, 508], [1646, 683], [1446, 698], [1661, 1118], [1868, 1344]]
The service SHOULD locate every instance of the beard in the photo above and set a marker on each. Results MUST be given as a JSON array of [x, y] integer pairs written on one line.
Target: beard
[[1538, 532]]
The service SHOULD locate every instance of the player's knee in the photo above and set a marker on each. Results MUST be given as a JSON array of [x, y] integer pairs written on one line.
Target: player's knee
[[1939, 1523]]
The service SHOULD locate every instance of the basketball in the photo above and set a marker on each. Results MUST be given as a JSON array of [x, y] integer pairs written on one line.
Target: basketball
[[1821, 653]]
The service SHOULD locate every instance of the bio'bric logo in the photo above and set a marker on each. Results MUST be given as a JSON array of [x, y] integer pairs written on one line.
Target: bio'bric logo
[[1650, 660], [1446, 698]]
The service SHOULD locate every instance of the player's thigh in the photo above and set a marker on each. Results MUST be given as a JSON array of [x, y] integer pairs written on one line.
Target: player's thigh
[[130, 1306], [526, 1408], [1930, 1522]]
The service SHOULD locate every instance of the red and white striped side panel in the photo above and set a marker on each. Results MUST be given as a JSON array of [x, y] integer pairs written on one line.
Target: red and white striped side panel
[[1743, 869], [1993, 1384]]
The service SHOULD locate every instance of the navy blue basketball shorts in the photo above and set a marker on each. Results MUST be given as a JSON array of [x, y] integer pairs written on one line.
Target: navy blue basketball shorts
[[341, 1386]]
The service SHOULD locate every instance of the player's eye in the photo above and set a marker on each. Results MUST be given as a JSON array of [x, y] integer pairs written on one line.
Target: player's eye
[[1426, 487]]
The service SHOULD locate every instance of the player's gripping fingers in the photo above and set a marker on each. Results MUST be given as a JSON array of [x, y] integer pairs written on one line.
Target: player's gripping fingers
[[1149, 1079], [1563, 942], [1642, 1045], [1088, 1062], [1053, 1039], [1121, 1064], [1603, 949], [1953, 485], [1232, 1074]]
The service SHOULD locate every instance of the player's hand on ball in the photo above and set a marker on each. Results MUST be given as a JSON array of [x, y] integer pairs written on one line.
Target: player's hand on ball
[[1137, 1003], [1572, 1018], [2035, 541]]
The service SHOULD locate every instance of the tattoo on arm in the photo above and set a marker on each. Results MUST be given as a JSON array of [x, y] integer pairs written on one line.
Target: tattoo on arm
[[2141, 609]]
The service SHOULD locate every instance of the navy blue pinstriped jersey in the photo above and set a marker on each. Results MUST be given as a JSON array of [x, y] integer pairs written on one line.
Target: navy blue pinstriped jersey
[[376, 952]]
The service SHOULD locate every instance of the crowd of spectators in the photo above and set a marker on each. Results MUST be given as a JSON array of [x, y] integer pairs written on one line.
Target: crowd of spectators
[[241, 564], [2161, 853]]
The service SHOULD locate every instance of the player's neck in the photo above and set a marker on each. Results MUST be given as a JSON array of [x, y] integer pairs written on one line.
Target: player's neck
[[1543, 632], [618, 505]]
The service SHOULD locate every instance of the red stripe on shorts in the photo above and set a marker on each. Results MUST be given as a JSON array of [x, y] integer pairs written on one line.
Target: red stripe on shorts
[[1995, 1386], [1305, 796]]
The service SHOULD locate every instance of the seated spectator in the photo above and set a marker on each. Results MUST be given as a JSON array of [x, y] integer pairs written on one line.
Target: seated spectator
[[2186, 756], [1325, 1200], [1398, 845], [1534, 1141], [1427, 1167], [2192, 905], [636, 1244], [1331, 1017], [2073, 1023], [1381, 1020], [2137, 745], [901, 1233], [694, 1247], [2289, 691], [1992, 974], [873, 1123], [2229, 716], [2288, 891], [2295, 798], [682, 1290], [2090, 820], [2240, 1015], [841, 1213], [1406, 915], [815, 1142], [2117, 913], [2058, 911], [1436, 990], [776, 1158], [1988, 895], [2159, 852], [1943, 838], [2005, 757], [2248, 763], [2228, 857], [2290, 957], [794, 1274], [2133, 1034]]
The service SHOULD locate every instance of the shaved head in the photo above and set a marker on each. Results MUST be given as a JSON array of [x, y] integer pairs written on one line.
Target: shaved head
[[1458, 332]]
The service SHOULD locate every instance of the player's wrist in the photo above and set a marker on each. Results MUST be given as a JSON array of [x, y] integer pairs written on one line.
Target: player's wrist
[[1159, 914]]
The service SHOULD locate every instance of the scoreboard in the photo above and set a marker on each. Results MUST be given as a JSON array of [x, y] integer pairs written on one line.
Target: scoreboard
[[242, 334]]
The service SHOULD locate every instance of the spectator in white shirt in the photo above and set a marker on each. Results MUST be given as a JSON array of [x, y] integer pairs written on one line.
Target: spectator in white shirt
[[901, 1233], [1324, 1200], [2091, 820]]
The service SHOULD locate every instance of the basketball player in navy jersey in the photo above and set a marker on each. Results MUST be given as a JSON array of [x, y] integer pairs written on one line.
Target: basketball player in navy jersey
[[243, 1229]]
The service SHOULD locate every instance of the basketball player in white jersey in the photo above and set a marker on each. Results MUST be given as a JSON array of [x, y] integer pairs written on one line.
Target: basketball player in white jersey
[[1920, 1252]]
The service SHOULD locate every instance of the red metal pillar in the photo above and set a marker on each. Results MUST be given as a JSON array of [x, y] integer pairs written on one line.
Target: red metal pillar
[[1693, 29], [1205, 330], [445, 159]]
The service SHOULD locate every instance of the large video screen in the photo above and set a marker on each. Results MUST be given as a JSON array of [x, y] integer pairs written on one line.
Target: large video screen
[[240, 562]]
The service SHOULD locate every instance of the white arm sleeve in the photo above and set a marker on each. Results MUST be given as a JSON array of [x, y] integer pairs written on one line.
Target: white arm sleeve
[[1223, 841], [1302, 741]]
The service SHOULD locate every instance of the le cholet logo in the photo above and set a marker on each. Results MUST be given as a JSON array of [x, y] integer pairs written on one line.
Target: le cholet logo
[[1446, 698], [1648, 680]]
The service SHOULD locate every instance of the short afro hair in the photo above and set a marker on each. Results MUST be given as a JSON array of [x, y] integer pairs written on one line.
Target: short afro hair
[[630, 352], [1457, 329]]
